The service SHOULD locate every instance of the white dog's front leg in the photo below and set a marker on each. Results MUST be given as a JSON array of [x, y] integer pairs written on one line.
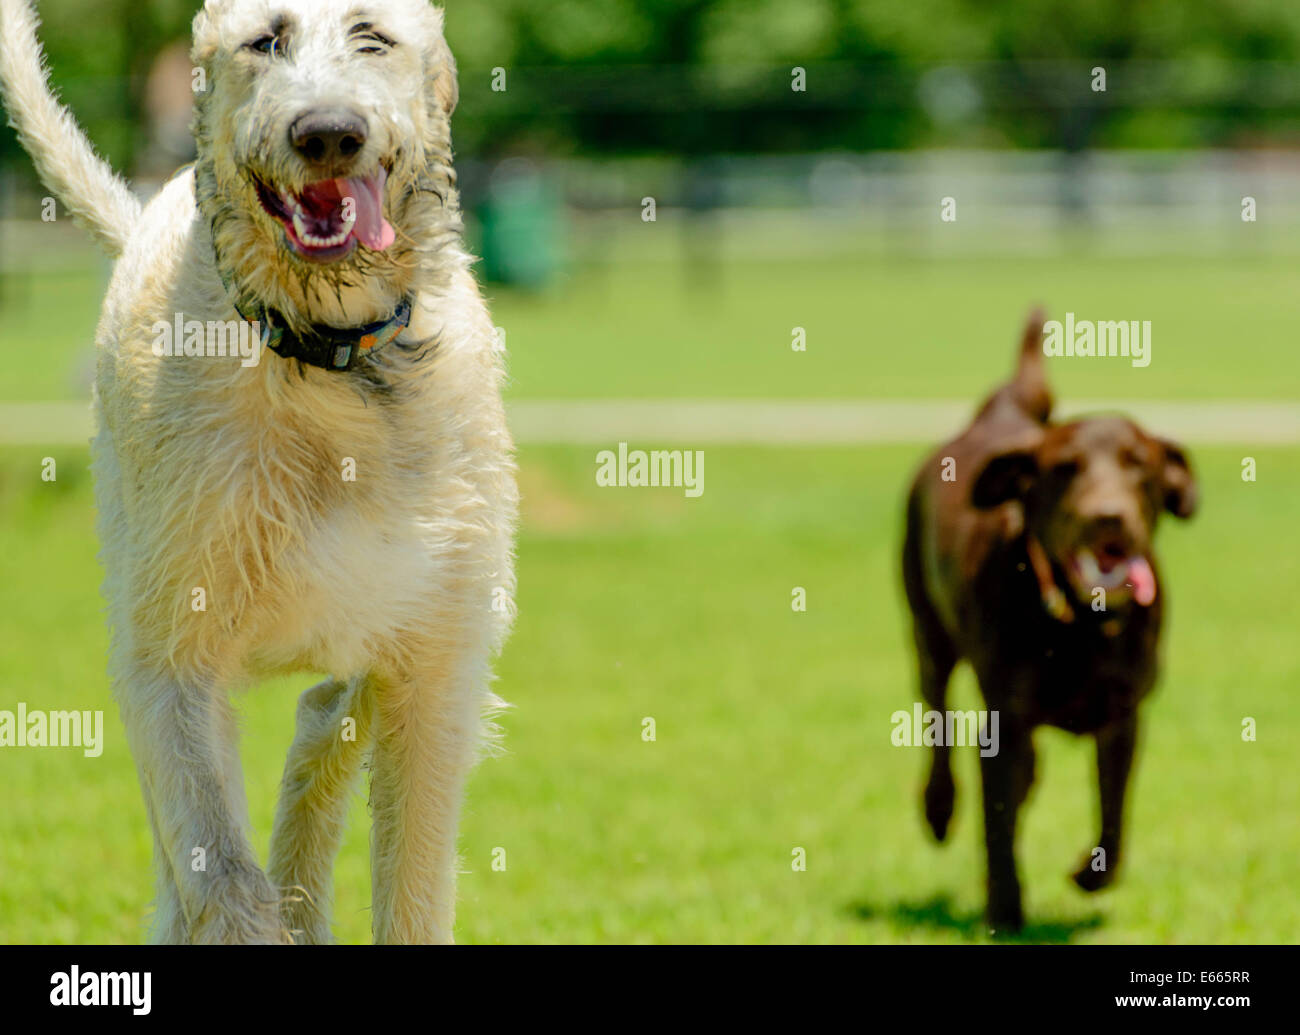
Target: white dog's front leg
[[427, 729], [167, 924], [319, 776], [183, 739]]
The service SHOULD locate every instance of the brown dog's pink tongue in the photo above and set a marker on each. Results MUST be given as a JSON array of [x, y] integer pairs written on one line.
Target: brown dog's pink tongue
[[1143, 581], [372, 229]]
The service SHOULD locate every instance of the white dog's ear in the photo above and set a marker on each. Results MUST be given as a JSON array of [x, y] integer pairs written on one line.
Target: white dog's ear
[[205, 36], [445, 88], [441, 66]]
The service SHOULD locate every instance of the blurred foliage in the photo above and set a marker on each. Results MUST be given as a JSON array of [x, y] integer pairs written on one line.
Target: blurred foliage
[[99, 53], [705, 76]]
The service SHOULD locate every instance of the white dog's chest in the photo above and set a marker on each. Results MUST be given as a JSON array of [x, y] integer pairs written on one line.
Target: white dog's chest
[[350, 586], [309, 540], [358, 561]]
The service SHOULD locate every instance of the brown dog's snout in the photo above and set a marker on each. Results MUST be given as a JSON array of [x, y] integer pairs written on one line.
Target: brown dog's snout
[[328, 136], [1111, 535], [1106, 528]]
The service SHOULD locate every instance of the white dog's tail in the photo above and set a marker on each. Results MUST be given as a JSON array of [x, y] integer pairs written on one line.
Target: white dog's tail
[[65, 159]]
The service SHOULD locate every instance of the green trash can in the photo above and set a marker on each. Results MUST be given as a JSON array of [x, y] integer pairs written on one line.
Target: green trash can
[[519, 223]]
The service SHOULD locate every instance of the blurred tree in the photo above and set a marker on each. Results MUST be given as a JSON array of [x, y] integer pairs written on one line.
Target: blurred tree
[[707, 76]]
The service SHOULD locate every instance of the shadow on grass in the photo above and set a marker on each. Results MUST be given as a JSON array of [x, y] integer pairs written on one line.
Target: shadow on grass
[[938, 914]]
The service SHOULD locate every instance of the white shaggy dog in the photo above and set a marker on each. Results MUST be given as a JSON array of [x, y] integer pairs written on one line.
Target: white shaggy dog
[[344, 505]]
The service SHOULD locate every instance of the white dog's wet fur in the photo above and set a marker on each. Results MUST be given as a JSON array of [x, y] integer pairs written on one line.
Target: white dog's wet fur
[[230, 479]]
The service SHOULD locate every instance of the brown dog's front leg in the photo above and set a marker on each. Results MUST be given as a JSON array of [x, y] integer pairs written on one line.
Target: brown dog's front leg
[[1115, 747], [1007, 776]]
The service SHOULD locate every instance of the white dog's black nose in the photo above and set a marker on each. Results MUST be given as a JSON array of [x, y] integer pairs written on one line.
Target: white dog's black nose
[[328, 136]]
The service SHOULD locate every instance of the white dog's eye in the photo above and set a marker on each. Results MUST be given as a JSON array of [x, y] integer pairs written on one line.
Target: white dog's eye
[[374, 42], [267, 44]]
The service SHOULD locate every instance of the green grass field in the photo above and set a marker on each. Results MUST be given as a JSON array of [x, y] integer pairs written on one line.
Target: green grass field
[[772, 726]]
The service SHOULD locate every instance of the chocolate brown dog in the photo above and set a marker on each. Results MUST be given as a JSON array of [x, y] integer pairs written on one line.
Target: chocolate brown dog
[[1028, 553]]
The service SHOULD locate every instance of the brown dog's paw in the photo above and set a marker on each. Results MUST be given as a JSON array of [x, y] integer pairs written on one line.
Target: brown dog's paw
[[1090, 879], [1004, 913], [939, 796], [1006, 921]]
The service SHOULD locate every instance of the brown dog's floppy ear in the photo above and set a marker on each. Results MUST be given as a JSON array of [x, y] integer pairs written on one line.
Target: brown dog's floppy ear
[[1180, 486], [1007, 476]]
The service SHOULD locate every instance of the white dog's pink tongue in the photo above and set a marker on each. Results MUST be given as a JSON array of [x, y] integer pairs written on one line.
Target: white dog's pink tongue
[[1143, 581], [372, 229]]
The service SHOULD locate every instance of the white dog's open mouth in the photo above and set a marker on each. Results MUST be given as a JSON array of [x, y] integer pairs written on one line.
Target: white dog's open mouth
[[326, 220]]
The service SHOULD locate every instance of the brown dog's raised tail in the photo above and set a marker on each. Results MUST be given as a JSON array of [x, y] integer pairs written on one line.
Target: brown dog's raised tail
[[1029, 387], [1027, 392]]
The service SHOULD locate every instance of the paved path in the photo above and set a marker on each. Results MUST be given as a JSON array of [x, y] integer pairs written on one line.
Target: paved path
[[785, 422]]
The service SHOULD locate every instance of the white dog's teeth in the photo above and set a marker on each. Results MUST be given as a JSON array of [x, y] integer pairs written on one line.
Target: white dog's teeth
[[314, 241]]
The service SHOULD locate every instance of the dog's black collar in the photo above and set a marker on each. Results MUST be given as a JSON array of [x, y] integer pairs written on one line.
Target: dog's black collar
[[330, 348], [1054, 599]]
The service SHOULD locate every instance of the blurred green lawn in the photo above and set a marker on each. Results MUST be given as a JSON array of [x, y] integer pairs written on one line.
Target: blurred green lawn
[[773, 727]]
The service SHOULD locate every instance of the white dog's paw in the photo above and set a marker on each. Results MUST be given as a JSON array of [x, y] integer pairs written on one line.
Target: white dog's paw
[[240, 908]]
